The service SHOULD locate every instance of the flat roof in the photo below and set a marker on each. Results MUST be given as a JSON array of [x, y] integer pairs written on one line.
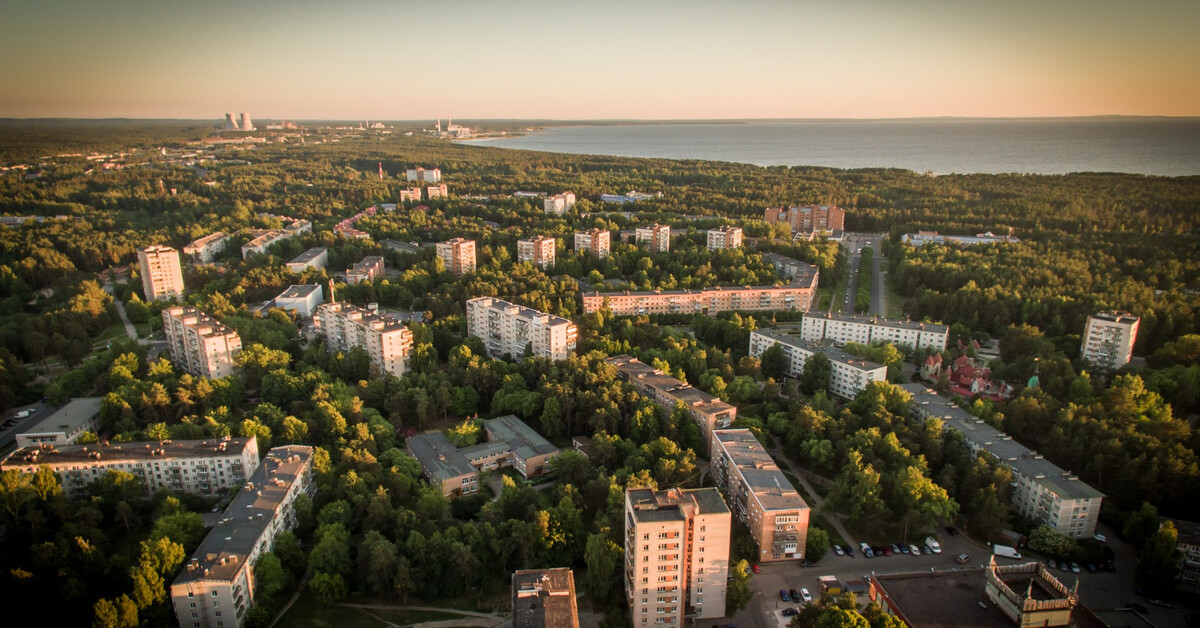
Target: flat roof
[[309, 255], [1124, 318], [882, 322], [440, 459], [128, 452], [544, 598], [69, 417], [388, 323], [827, 347], [944, 599], [404, 247], [634, 369], [523, 440], [300, 291], [520, 310], [365, 264], [200, 319], [651, 505], [770, 486]]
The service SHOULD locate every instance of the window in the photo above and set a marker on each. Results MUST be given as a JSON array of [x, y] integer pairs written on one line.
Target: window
[[217, 614], [214, 594], [190, 594]]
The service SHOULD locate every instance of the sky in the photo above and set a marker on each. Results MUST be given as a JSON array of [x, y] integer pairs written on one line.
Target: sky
[[611, 59]]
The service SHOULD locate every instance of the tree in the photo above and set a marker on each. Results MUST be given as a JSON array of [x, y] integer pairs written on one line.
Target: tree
[[739, 593], [185, 528], [1049, 541], [774, 362], [377, 563], [817, 544], [328, 588], [1158, 562], [602, 557], [917, 501], [45, 483], [331, 554], [464, 434], [815, 374], [119, 613], [1141, 525], [269, 576]]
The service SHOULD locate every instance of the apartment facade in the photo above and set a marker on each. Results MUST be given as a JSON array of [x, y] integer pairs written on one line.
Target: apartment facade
[[368, 269], [1108, 339], [458, 255], [538, 251], [710, 301], [809, 217], [559, 204], [843, 328], [709, 412], [1041, 490], [162, 277], [508, 328], [386, 340], [594, 241], [676, 555], [199, 343], [760, 495], [316, 257], [1188, 537], [656, 237], [436, 191], [725, 238], [424, 175], [200, 467], [216, 587], [204, 250], [849, 375]]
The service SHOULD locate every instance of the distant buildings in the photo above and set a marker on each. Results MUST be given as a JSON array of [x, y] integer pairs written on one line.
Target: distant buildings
[[921, 238], [510, 443], [508, 329], [205, 249], [538, 251], [200, 344], [843, 328], [162, 277], [790, 269], [410, 194], [315, 258], [1108, 339], [965, 378], [709, 412], [61, 428], [544, 598], [244, 125], [200, 467], [368, 269], [849, 375], [424, 176], [302, 299], [710, 301], [264, 238], [594, 241], [216, 587], [809, 217], [656, 237], [631, 196], [458, 255], [403, 247], [760, 495], [436, 191], [724, 238], [346, 227], [676, 555], [559, 204], [386, 341]]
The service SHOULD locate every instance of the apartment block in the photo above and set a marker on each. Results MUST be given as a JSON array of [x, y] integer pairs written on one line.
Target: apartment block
[[162, 277], [261, 239], [507, 329], [760, 495], [200, 467], [710, 301], [199, 343], [205, 249], [1188, 537], [433, 175], [458, 255], [410, 194], [849, 376], [809, 217], [368, 269], [66, 424], [594, 241], [559, 204], [725, 238], [436, 191], [843, 328], [656, 237], [510, 443], [709, 412], [216, 587], [1041, 490], [544, 598], [676, 555], [316, 257], [302, 299], [538, 251], [1108, 339], [386, 340]]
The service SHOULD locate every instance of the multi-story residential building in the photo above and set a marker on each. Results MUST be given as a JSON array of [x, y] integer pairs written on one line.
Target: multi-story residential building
[[710, 301], [386, 340], [316, 257], [594, 241], [205, 249], [1188, 537], [760, 495], [199, 343], [508, 329], [302, 299], [200, 467], [1108, 339], [458, 255], [676, 555], [436, 191], [725, 238], [423, 175], [843, 328], [216, 587], [538, 251], [656, 237], [510, 443], [66, 424], [410, 194], [849, 374], [1041, 490], [162, 278], [709, 412], [559, 204], [809, 217], [544, 598], [368, 269]]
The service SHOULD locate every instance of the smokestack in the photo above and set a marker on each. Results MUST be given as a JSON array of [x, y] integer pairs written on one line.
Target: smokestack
[[381, 171], [230, 125], [246, 124]]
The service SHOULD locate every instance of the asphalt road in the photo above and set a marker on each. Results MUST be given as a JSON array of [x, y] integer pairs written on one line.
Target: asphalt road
[[8, 436]]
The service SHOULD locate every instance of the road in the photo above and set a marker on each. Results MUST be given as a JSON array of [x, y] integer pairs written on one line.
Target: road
[[8, 435], [878, 291]]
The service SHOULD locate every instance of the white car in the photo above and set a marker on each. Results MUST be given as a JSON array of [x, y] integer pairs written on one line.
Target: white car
[[806, 596], [916, 551], [837, 549]]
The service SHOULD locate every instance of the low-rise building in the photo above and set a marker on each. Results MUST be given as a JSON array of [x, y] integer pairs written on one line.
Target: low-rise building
[[529, 452], [199, 343], [386, 340], [368, 269], [205, 250], [791, 269], [710, 301], [760, 495], [216, 587], [559, 204], [594, 241], [510, 443], [443, 464], [261, 239], [316, 257], [162, 277], [843, 328], [709, 412], [458, 255], [403, 247], [410, 194], [538, 251], [922, 238], [724, 238], [80, 415], [544, 598], [200, 467], [302, 299], [1108, 339], [850, 374], [656, 237], [509, 329]]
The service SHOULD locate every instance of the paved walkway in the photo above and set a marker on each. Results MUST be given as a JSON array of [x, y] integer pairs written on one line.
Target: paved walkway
[[818, 501], [121, 311]]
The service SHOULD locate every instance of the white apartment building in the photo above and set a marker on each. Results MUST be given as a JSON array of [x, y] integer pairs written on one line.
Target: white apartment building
[[849, 375], [216, 587], [66, 424], [843, 328], [725, 238], [200, 344], [436, 191], [1041, 490], [458, 255], [386, 340], [200, 467], [508, 328], [264, 238], [424, 175], [559, 204], [1108, 339], [302, 299], [594, 241], [162, 277], [316, 257], [205, 249], [368, 269], [676, 555], [656, 237], [538, 251]]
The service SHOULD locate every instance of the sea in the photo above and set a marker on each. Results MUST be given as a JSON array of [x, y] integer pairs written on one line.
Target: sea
[[1149, 146]]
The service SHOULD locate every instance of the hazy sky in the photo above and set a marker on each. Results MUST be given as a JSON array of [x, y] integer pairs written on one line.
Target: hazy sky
[[568, 59]]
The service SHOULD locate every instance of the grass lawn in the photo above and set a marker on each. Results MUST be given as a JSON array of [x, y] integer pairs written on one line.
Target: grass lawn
[[114, 331], [895, 303], [309, 613]]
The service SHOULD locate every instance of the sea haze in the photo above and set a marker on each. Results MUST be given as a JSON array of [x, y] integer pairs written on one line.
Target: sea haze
[[1153, 146]]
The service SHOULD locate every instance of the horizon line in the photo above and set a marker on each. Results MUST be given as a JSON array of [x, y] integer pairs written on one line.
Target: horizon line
[[604, 120]]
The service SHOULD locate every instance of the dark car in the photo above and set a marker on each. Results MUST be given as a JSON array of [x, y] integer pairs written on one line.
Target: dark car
[[951, 530], [790, 612], [849, 551], [887, 551], [783, 595], [795, 595], [895, 548], [1091, 568], [904, 549]]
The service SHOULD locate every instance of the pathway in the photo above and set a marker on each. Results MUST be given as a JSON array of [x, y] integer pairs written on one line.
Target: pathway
[[121, 311], [818, 501], [300, 589]]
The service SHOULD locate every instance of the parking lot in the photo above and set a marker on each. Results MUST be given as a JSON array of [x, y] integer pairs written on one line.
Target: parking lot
[[13, 424]]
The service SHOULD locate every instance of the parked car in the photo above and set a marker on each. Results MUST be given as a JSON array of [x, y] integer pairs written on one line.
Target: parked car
[[887, 551], [837, 549], [1074, 567], [755, 569], [1090, 567], [916, 551], [1100, 537], [1052, 563], [849, 551], [795, 595], [790, 611], [808, 563], [807, 597], [903, 549], [895, 548], [951, 530], [932, 544], [962, 558], [783, 595], [1063, 566]]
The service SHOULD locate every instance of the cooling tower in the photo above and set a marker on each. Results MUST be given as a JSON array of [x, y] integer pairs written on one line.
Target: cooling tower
[[246, 124], [230, 125]]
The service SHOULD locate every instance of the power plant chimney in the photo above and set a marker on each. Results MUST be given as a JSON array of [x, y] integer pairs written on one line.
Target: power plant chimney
[[230, 125], [246, 124]]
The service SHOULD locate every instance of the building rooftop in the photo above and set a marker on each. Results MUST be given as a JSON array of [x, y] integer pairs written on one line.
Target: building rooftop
[[196, 319], [770, 486], [69, 417], [441, 460], [651, 505], [403, 247], [301, 291], [882, 322], [309, 255], [121, 452], [634, 369], [521, 311], [544, 598], [524, 442], [1124, 318], [943, 599], [243, 523], [208, 239], [1188, 531], [365, 264], [379, 322], [828, 348]]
